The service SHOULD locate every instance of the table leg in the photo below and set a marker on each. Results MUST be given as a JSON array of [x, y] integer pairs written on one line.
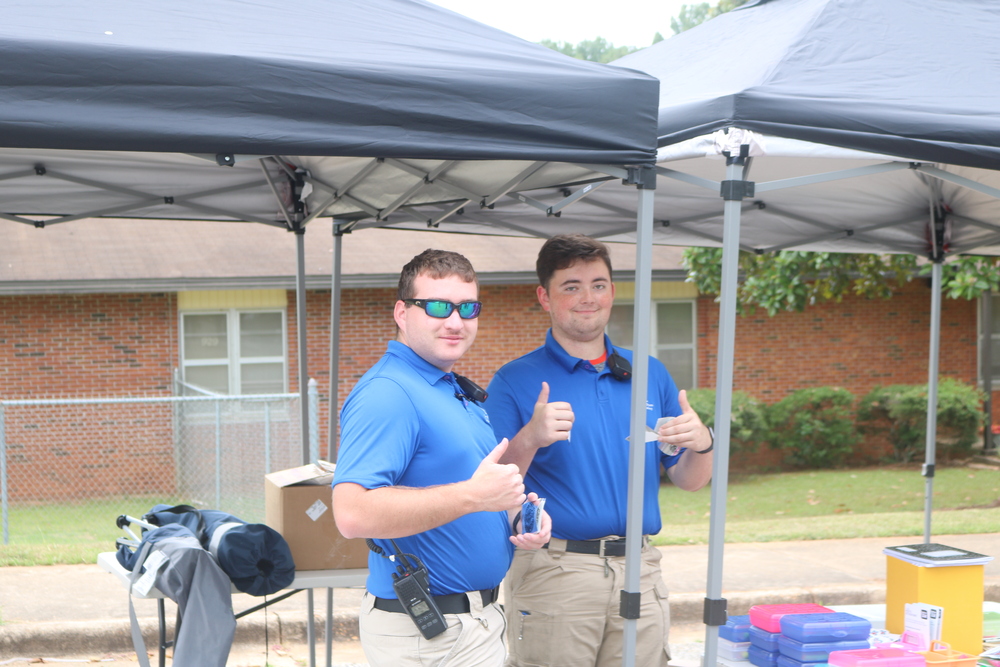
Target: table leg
[[329, 627], [310, 629], [161, 614]]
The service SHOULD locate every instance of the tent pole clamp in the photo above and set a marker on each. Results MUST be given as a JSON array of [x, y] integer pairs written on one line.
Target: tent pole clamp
[[715, 612], [630, 604]]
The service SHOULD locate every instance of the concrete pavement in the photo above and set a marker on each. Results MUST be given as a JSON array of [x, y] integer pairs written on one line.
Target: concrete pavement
[[82, 610]]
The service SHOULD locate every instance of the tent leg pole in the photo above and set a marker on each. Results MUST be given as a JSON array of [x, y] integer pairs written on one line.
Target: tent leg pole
[[335, 286], [630, 594], [715, 605], [300, 318], [987, 371], [932, 396]]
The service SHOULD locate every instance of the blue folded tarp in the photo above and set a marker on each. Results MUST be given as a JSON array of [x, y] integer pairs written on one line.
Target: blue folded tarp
[[254, 556]]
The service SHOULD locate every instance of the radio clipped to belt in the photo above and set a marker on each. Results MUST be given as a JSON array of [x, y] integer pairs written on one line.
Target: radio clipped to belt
[[412, 585]]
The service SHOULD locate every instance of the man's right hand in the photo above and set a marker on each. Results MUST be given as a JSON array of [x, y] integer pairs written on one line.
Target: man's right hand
[[550, 422], [497, 486]]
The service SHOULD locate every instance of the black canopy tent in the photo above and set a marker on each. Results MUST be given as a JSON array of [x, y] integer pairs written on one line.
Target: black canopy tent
[[372, 113], [849, 126], [255, 112]]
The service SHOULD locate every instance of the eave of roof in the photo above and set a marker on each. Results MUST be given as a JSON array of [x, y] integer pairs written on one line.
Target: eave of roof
[[132, 256]]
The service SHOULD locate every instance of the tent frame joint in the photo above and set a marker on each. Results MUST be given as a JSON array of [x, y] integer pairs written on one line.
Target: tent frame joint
[[736, 190], [642, 176]]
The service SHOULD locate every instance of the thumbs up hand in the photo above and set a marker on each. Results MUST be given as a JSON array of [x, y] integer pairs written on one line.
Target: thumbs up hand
[[497, 486], [550, 422], [686, 430]]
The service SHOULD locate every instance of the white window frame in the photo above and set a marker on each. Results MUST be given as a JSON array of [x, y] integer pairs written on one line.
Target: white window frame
[[980, 333], [233, 360], [655, 347]]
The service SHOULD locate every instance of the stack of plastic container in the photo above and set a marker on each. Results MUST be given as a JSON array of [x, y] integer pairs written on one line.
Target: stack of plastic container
[[734, 641], [765, 620], [807, 640]]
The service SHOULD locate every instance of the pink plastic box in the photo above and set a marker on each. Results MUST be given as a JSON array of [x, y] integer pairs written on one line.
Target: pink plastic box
[[876, 657], [768, 616]]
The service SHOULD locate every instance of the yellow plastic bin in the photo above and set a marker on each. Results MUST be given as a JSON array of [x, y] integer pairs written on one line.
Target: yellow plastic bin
[[944, 576]]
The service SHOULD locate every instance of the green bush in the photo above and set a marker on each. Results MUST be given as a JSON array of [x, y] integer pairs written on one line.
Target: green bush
[[748, 422], [814, 426], [900, 412]]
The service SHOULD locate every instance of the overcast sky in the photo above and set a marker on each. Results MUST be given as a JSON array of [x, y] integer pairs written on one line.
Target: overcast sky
[[623, 23]]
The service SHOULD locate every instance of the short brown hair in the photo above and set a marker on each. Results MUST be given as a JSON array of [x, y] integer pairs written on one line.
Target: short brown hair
[[565, 250], [435, 264]]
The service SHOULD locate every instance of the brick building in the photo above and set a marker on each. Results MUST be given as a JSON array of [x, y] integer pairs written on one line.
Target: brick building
[[112, 308]]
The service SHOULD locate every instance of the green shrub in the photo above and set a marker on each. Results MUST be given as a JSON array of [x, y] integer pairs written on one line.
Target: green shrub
[[748, 421], [814, 426], [900, 412]]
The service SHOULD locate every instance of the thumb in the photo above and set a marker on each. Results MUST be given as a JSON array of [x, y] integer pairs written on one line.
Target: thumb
[[498, 451], [543, 395], [682, 398]]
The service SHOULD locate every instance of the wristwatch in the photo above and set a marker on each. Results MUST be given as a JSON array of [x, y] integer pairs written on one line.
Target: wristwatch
[[711, 432]]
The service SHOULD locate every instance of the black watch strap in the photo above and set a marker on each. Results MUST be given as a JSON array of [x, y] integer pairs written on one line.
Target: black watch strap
[[711, 432]]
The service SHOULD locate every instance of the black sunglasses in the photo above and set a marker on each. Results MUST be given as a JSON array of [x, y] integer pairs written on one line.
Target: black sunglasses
[[467, 310]]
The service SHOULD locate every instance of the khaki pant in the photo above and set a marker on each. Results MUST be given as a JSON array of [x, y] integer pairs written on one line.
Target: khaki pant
[[562, 609], [391, 639]]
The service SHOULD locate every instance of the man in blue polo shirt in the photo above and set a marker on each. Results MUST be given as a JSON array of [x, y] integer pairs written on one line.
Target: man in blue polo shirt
[[570, 443], [418, 468]]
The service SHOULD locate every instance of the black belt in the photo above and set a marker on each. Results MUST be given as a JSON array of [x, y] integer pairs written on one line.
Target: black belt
[[596, 547], [455, 603]]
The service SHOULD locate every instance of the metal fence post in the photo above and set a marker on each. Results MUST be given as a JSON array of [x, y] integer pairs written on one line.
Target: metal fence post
[[313, 420], [267, 438], [3, 479], [218, 454]]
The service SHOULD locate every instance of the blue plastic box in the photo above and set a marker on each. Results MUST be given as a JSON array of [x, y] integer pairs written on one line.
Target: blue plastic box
[[736, 629], [762, 639], [785, 661], [831, 627], [816, 651], [762, 658]]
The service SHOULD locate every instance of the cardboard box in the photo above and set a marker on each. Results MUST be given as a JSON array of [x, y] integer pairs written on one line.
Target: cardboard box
[[298, 504]]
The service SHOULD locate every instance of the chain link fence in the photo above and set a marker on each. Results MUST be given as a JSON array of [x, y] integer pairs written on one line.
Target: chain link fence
[[70, 467]]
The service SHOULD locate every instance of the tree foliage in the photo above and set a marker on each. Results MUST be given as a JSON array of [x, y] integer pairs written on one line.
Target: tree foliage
[[598, 50], [692, 15], [791, 280]]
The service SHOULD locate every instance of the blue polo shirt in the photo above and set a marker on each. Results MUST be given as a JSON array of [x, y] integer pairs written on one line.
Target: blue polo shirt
[[584, 480], [403, 426]]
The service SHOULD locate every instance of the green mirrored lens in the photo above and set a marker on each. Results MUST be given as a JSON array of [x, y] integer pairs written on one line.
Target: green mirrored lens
[[468, 310], [439, 308]]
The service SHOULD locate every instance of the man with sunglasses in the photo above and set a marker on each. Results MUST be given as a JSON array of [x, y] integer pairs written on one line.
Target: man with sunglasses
[[570, 442], [418, 471]]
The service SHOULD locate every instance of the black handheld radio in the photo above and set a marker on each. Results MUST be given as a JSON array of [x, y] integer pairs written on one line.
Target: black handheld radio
[[413, 589]]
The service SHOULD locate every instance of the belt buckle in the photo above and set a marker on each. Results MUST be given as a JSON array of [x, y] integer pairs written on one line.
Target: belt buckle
[[600, 549]]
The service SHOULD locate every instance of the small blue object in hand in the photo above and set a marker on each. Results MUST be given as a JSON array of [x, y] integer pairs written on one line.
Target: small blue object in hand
[[530, 515]]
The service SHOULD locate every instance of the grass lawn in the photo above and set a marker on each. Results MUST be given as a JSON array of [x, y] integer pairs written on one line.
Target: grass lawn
[[812, 505], [815, 505]]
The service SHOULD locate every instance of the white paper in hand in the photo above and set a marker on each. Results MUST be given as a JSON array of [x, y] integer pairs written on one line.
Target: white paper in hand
[[669, 450]]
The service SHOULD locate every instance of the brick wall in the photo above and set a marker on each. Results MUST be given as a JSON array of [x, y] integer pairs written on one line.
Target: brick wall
[[126, 345], [87, 345], [856, 344]]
